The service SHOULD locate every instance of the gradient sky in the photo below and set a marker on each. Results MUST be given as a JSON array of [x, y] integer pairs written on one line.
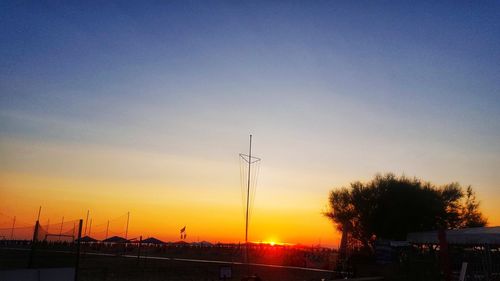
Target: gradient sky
[[118, 107]]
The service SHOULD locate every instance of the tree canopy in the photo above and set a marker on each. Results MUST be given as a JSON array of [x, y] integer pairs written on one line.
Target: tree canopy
[[389, 207]]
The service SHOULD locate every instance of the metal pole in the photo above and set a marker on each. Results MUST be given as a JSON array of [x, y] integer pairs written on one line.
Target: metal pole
[[107, 228], [86, 220], [77, 262], [12, 231], [90, 227], [60, 229], [126, 230], [248, 199], [39, 211], [139, 249], [33, 242]]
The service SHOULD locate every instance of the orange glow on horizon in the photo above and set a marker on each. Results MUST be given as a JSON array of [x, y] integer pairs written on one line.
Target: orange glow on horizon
[[162, 194], [160, 216]]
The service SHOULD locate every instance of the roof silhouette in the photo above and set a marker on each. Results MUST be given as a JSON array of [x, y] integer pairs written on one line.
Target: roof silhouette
[[203, 244], [115, 239], [152, 240], [87, 239], [474, 235]]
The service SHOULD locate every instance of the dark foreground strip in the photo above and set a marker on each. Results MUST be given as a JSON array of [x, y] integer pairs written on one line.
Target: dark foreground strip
[[186, 260]]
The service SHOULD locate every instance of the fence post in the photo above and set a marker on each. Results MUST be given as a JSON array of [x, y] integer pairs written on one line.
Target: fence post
[[139, 250], [77, 262], [33, 242]]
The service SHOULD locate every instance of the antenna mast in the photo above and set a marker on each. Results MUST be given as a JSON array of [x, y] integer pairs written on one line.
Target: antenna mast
[[249, 159], [248, 192]]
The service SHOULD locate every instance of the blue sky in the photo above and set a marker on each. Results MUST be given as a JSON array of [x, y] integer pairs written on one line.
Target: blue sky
[[333, 90], [406, 62]]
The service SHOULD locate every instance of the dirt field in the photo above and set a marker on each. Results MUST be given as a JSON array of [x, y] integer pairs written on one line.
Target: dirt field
[[94, 267]]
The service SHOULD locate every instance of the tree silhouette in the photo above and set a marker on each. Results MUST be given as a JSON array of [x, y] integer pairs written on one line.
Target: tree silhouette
[[471, 216], [389, 207]]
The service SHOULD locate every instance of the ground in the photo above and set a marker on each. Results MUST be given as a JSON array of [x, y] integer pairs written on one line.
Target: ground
[[114, 267]]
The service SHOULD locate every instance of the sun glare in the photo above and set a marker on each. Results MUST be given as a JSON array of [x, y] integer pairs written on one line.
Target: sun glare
[[274, 242]]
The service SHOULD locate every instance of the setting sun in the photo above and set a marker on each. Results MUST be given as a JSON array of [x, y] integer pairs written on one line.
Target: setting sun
[[275, 242]]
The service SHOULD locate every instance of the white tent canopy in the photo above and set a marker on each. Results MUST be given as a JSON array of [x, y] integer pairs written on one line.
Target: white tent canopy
[[469, 236]]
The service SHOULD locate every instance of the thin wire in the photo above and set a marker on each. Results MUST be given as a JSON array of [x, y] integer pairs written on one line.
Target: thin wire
[[254, 176], [243, 194], [18, 222], [254, 188]]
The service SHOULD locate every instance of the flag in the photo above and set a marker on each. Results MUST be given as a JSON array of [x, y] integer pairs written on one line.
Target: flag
[[183, 233]]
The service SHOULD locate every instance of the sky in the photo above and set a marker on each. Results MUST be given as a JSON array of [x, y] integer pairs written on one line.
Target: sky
[[143, 108]]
